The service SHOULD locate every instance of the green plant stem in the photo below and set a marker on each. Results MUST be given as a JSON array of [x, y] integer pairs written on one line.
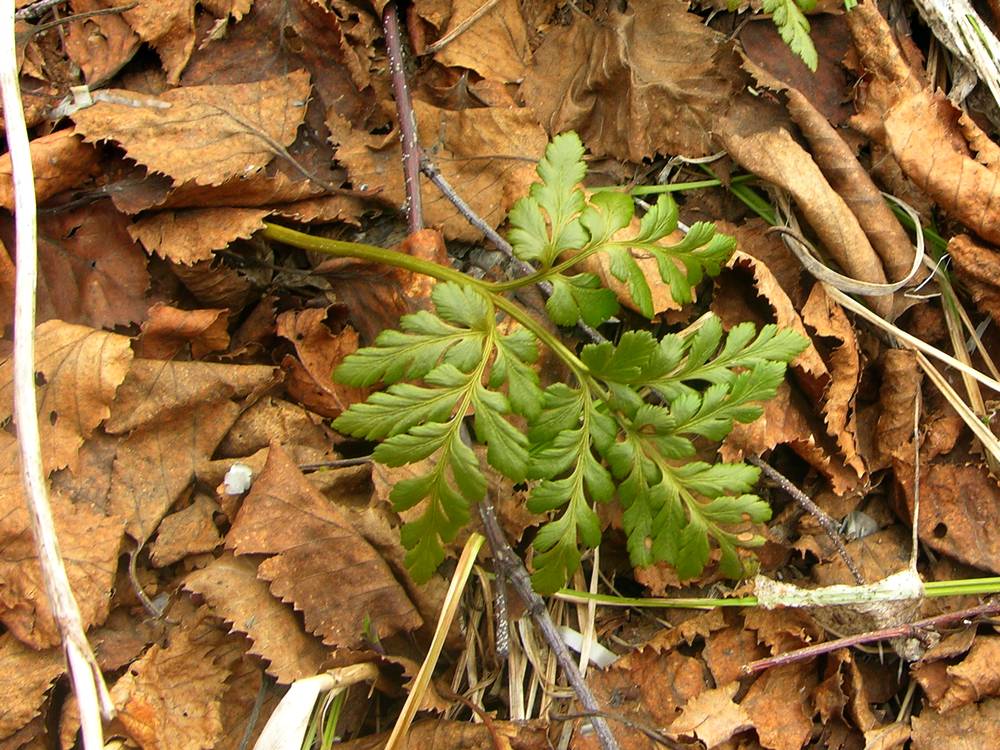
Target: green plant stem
[[932, 590], [677, 187], [437, 271]]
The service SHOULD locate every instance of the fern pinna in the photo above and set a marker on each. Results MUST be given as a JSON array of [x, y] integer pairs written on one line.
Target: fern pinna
[[623, 429]]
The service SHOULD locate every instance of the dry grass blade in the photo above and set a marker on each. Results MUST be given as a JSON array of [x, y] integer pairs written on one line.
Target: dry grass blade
[[448, 610]]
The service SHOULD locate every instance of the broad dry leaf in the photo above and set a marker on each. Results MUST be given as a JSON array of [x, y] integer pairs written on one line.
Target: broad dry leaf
[[190, 531], [206, 134], [234, 592], [462, 735], [777, 706], [923, 130], [100, 45], [487, 153], [168, 330], [170, 698], [309, 375], [651, 79], [959, 509], [317, 560], [892, 736], [979, 268], [275, 420], [168, 27], [223, 8], [191, 235], [90, 271], [25, 677], [218, 285], [899, 391], [973, 678], [495, 46], [78, 371], [89, 541], [243, 689], [712, 717], [59, 161], [728, 650], [971, 727]]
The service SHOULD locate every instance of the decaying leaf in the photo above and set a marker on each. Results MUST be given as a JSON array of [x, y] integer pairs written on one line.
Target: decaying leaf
[[59, 161], [311, 543], [206, 134], [189, 236], [169, 329], [713, 717], [495, 46], [234, 592], [25, 676]]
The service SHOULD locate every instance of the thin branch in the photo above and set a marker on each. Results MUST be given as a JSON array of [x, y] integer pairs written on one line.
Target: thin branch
[[80, 17], [806, 503], [907, 630], [407, 121], [510, 566], [36, 10], [88, 683]]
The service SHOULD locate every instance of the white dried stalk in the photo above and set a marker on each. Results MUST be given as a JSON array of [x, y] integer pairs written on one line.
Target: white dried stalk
[[88, 683], [957, 25]]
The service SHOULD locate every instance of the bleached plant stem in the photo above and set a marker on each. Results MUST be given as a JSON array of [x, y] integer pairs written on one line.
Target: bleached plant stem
[[88, 683]]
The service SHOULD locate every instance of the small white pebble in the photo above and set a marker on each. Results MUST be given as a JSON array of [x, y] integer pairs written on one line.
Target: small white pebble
[[238, 479]]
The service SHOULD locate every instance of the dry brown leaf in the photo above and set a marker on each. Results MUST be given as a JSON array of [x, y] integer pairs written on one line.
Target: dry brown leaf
[[60, 161], [775, 705], [223, 8], [959, 508], [100, 45], [168, 27], [318, 561], [495, 46], [216, 285], [168, 330], [971, 727], [922, 129], [851, 181], [78, 370], [187, 532], [206, 134], [123, 637], [712, 717], [979, 268], [170, 698], [899, 391], [89, 541], [28, 674], [972, 679], [768, 150], [274, 420], [651, 79], [828, 319], [889, 737], [309, 375], [90, 270], [243, 689], [728, 650], [462, 735], [233, 591], [192, 235], [489, 152]]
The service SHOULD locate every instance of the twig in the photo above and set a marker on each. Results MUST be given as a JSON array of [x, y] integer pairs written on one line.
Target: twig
[[80, 17], [464, 26], [407, 122], [35, 10], [806, 503], [907, 630], [88, 683], [337, 463], [510, 566]]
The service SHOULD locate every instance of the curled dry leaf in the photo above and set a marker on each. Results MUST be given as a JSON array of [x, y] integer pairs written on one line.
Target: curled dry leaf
[[979, 269], [59, 161], [900, 389], [923, 130], [168, 330], [312, 544], [192, 235], [234, 592], [712, 716], [627, 92], [319, 352], [168, 27], [969, 681], [190, 531], [100, 45], [25, 677], [971, 727], [205, 134], [774, 703]]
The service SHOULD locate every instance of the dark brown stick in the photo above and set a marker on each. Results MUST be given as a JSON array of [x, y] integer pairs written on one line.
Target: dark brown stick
[[806, 503], [510, 566], [908, 630], [413, 206]]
